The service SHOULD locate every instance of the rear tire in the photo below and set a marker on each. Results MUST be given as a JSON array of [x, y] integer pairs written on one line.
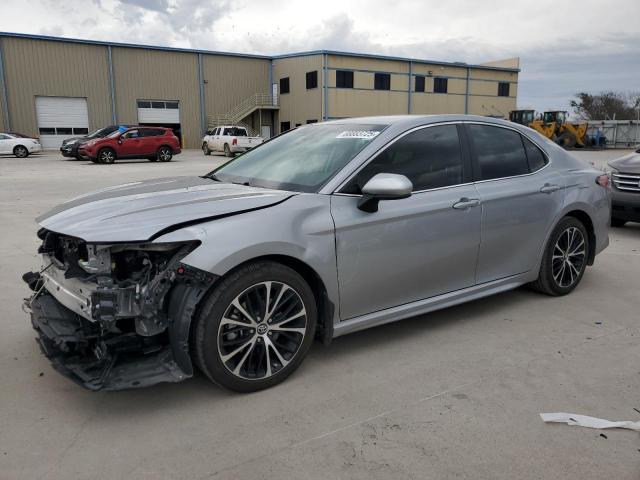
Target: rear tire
[[565, 258], [106, 156], [566, 140], [21, 151], [205, 148], [618, 223], [164, 154], [227, 151], [268, 346]]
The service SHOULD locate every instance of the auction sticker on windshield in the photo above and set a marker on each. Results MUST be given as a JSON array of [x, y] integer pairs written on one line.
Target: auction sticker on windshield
[[367, 134]]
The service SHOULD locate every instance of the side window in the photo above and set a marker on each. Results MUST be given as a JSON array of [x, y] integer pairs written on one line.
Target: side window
[[499, 151], [429, 157], [284, 85], [536, 158], [130, 134]]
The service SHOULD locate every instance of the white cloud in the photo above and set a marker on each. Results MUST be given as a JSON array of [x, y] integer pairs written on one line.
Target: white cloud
[[564, 49]]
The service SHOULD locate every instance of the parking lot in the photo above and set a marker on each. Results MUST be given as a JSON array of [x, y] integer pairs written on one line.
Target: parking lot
[[453, 394]]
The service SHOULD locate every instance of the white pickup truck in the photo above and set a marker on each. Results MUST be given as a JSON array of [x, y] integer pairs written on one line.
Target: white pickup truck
[[229, 139]]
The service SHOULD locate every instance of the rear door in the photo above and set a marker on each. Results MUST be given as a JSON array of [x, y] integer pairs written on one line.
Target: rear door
[[521, 196], [150, 140], [414, 248]]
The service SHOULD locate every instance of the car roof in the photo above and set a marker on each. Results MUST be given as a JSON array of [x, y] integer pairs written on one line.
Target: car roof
[[410, 120]]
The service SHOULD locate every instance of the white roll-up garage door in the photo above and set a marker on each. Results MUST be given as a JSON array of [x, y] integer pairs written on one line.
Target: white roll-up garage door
[[60, 118], [158, 112]]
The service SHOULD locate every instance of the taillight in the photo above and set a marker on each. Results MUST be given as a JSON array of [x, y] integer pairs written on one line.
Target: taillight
[[234, 141], [603, 181]]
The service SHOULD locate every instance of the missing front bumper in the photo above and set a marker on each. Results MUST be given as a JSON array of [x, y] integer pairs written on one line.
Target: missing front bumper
[[78, 349]]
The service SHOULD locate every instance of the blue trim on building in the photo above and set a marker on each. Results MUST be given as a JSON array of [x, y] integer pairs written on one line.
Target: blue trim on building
[[6, 120], [112, 87]]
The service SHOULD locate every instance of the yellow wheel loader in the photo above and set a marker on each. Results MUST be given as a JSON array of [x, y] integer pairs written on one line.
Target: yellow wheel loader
[[553, 125]]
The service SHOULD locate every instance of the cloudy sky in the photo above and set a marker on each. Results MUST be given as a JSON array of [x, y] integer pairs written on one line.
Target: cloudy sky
[[564, 46]]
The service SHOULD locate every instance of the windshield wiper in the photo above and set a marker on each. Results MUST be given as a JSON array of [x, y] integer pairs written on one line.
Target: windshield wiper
[[213, 177]]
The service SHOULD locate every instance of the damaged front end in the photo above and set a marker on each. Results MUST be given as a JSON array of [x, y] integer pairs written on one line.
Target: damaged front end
[[117, 316]]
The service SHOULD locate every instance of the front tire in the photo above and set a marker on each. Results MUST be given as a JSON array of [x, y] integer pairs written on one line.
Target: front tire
[[565, 258], [164, 154], [21, 151], [255, 327], [106, 156], [205, 148]]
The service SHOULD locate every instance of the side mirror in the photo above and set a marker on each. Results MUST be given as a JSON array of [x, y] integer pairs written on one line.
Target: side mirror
[[384, 186]]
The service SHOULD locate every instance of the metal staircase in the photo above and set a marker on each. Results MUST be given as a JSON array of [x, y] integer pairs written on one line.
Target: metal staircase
[[257, 101]]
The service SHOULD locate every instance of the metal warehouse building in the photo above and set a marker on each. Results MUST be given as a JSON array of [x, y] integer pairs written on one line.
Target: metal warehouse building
[[54, 88]]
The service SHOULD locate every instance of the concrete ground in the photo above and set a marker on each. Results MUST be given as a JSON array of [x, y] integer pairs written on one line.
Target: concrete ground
[[453, 394]]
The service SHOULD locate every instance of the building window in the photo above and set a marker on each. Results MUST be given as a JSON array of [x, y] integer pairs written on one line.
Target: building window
[[80, 131], [312, 121], [144, 104], [503, 89], [284, 126], [171, 105], [298, 124], [419, 87], [440, 85], [312, 80], [344, 79], [382, 81], [284, 85]]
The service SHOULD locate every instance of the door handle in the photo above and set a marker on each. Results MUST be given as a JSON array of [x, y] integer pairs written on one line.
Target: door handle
[[549, 188], [466, 203]]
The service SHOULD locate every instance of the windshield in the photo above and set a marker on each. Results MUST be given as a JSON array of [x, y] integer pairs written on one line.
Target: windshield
[[301, 160], [101, 132]]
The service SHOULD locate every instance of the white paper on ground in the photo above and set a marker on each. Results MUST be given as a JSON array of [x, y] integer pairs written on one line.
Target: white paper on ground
[[586, 421]]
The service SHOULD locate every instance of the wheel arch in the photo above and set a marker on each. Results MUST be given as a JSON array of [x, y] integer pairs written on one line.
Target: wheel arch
[[165, 145], [586, 220], [324, 305]]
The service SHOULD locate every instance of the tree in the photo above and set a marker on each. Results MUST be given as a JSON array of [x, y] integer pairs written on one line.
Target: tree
[[608, 105]]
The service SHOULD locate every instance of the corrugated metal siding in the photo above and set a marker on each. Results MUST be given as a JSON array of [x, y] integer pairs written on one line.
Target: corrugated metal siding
[[300, 104], [40, 68], [498, 106], [158, 75], [230, 80]]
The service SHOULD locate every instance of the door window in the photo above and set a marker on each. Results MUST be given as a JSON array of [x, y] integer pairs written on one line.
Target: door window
[[500, 151], [130, 134], [429, 157]]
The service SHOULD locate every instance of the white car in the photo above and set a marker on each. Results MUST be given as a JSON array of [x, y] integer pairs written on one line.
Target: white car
[[21, 147], [230, 140]]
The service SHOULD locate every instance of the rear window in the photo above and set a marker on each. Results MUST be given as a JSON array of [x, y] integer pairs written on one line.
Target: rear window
[[235, 132], [536, 158], [500, 151]]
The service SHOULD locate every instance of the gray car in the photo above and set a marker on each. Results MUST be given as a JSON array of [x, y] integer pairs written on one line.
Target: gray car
[[625, 194], [325, 230]]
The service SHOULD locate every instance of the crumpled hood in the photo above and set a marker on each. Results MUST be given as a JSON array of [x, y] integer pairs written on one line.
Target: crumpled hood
[[627, 164], [138, 211]]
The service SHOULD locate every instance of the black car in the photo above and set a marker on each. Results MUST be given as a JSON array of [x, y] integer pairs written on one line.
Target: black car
[[70, 146], [625, 191]]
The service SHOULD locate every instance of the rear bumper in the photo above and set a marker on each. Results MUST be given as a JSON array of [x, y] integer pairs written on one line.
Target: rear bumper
[[78, 349], [625, 206]]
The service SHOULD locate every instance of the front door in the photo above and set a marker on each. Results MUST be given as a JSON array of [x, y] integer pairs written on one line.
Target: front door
[[130, 144], [5, 142], [520, 200], [414, 248]]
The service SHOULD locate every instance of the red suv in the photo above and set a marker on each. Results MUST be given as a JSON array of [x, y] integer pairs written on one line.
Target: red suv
[[154, 143]]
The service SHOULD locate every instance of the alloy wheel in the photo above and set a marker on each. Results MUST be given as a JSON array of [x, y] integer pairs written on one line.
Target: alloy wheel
[[21, 152], [107, 156], [569, 257], [261, 330], [164, 154]]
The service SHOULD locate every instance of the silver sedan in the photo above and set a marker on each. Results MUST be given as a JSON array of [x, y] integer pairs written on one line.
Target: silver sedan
[[322, 231]]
